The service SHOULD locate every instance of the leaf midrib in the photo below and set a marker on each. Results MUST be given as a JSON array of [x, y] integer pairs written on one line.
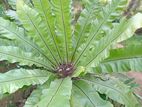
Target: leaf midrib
[[64, 27], [81, 33], [105, 47], [121, 59], [25, 41], [85, 94], [104, 85], [41, 36], [31, 77], [49, 27], [26, 59], [97, 31], [55, 93]]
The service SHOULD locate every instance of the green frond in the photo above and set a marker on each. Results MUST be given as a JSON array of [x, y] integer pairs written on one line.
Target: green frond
[[15, 79], [45, 36], [15, 54], [35, 96], [24, 47], [16, 51], [136, 40], [12, 14], [122, 60], [36, 29], [135, 23], [101, 24], [101, 48], [83, 25], [12, 3], [44, 8], [62, 13], [10, 31], [57, 95], [113, 88], [84, 95], [11, 34]]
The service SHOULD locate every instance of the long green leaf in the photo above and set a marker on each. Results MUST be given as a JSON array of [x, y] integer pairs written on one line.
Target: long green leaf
[[36, 95], [114, 89], [136, 40], [10, 31], [44, 8], [15, 79], [121, 60], [32, 22], [101, 25], [62, 11], [84, 95], [24, 47], [57, 95], [15, 54], [83, 25], [103, 46]]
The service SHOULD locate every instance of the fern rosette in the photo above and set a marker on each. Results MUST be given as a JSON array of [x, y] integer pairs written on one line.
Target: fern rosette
[[68, 57]]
